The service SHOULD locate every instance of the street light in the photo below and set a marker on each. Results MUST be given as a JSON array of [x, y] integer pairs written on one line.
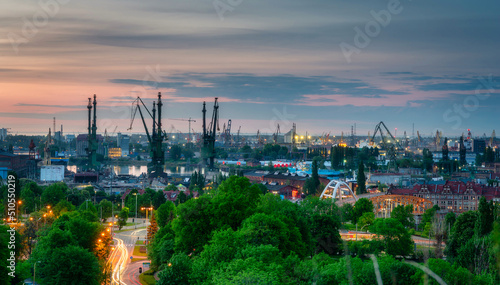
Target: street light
[[150, 209], [135, 222]]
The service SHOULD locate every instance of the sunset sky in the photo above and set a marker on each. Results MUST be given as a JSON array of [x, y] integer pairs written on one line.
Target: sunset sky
[[432, 63]]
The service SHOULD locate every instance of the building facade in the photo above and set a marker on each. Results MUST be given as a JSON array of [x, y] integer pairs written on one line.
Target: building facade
[[454, 196]]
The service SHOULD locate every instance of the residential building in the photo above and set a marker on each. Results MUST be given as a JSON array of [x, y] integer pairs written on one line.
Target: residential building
[[454, 196]]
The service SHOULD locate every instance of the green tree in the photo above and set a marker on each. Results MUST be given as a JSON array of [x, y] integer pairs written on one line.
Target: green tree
[[106, 207], [361, 179], [461, 232], [404, 214], [323, 218], [427, 160], [366, 220], [429, 214], [235, 200], [361, 206], [346, 211], [175, 152], [485, 217], [165, 213], [62, 207], [193, 225], [158, 199], [396, 239], [54, 193], [123, 217], [65, 265], [450, 219], [181, 198]]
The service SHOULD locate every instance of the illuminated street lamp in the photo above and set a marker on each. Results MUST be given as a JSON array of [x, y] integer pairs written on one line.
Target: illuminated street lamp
[[150, 209]]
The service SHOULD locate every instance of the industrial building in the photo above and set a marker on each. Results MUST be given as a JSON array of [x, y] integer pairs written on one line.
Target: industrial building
[[52, 173], [82, 144]]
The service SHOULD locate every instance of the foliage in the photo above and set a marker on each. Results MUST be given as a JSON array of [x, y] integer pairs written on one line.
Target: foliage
[[361, 179], [345, 212], [158, 199], [175, 152], [404, 214], [485, 217], [324, 222], [312, 183], [54, 193], [461, 232], [165, 213], [429, 214], [106, 206], [152, 228], [62, 207], [235, 200], [193, 225], [476, 255], [396, 239], [361, 206], [64, 265], [123, 217], [366, 219], [177, 271]]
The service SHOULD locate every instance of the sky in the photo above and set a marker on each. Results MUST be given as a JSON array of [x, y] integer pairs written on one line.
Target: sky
[[325, 65]]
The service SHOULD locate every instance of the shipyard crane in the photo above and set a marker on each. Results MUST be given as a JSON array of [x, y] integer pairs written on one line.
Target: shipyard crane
[[238, 136], [157, 135], [189, 127], [209, 135], [276, 134], [225, 136], [389, 142], [92, 135], [259, 139]]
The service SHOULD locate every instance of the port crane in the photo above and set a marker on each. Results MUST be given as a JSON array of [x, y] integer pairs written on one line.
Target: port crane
[[276, 134], [157, 135], [209, 135], [388, 141]]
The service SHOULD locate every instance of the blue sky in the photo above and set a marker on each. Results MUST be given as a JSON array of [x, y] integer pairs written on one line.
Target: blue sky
[[434, 64]]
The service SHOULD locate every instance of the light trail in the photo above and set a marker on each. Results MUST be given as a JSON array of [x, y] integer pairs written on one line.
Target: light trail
[[119, 266]]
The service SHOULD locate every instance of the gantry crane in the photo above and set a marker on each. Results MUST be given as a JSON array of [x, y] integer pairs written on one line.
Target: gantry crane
[[155, 168]]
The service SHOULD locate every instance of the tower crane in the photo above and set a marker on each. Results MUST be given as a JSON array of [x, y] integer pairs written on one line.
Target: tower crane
[[189, 127]]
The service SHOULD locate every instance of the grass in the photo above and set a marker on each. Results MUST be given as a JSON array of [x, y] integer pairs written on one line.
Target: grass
[[138, 259], [139, 252], [139, 242], [147, 277]]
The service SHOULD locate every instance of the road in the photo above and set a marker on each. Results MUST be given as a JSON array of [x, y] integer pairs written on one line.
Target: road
[[125, 272], [351, 235]]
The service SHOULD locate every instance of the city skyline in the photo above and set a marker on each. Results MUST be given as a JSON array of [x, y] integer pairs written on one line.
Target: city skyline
[[323, 66]]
